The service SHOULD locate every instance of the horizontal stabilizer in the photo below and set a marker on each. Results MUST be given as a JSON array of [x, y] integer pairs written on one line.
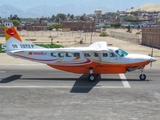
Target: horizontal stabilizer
[[16, 51]]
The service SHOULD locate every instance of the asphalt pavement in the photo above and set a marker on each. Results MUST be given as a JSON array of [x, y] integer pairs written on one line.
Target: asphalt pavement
[[38, 92]]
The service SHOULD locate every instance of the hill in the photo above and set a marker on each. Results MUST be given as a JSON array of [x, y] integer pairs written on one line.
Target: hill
[[147, 7]]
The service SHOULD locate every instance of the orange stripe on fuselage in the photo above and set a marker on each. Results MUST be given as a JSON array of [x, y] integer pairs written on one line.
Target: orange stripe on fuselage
[[111, 68]]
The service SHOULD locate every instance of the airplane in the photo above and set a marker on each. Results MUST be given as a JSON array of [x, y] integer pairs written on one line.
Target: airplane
[[96, 59]]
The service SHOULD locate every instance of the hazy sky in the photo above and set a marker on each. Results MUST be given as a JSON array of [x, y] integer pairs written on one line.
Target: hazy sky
[[115, 4]]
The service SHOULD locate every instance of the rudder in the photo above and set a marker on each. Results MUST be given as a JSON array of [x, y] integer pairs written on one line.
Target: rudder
[[14, 41], [11, 32]]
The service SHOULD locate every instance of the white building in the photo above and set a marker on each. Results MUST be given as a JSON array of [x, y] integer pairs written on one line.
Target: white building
[[98, 14]]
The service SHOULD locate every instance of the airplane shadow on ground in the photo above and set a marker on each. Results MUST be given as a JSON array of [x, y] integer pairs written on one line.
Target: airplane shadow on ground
[[81, 85], [10, 78]]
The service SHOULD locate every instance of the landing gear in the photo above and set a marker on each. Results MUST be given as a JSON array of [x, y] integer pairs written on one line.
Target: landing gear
[[142, 75], [92, 77]]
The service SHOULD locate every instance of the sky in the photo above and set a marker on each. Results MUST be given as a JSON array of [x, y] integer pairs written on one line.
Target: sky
[[115, 4]]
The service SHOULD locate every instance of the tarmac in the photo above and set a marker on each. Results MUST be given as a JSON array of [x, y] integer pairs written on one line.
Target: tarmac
[[38, 92]]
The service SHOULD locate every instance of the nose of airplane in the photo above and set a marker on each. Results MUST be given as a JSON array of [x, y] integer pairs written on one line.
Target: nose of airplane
[[153, 59]]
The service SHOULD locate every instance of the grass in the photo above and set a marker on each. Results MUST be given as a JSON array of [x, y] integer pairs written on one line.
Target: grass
[[50, 45], [103, 34], [1, 49]]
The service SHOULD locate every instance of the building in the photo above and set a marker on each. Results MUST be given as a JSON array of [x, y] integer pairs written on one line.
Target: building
[[98, 14], [88, 26]]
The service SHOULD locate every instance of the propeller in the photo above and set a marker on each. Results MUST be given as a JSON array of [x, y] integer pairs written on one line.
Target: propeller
[[151, 58]]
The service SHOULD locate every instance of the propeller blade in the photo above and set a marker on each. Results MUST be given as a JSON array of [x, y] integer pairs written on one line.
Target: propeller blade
[[151, 56], [151, 64], [152, 52]]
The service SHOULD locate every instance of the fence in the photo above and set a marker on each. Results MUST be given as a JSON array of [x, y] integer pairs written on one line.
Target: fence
[[151, 36], [135, 38], [48, 33]]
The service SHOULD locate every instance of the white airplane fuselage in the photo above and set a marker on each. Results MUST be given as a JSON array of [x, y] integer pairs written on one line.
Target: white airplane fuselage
[[79, 60]]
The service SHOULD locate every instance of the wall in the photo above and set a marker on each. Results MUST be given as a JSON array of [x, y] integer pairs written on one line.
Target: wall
[[1, 31], [151, 36], [75, 26]]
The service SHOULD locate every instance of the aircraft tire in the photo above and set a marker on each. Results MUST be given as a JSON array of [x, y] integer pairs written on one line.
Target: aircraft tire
[[142, 77], [92, 78]]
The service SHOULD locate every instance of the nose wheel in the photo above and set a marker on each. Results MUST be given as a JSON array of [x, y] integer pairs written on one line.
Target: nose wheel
[[142, 76]]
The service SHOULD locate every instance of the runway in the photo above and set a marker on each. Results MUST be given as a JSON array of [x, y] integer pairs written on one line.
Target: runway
[[40, 92]]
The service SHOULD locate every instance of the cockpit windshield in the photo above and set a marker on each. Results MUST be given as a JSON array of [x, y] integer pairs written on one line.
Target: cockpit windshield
[[121, 52]]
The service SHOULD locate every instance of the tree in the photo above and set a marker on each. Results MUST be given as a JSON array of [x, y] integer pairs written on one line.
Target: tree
[[16, 22], [116, 25], [60, 17], [72, 17], [15, 17], [56, 26], [53, 17], [68, 16], [82, 18]]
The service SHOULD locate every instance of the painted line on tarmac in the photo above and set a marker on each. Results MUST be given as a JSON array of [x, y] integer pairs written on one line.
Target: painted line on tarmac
[[84, 87], [124, 81], [2, 71]]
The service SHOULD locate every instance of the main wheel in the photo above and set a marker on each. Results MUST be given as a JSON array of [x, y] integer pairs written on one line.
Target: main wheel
[[142, 77], [91, 77]]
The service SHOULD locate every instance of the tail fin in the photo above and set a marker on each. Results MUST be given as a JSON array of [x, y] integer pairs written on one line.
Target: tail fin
[[11, 32], [12, 37], [13, 40]]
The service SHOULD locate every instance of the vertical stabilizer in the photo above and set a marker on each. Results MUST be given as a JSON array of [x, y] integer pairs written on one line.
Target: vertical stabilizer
[[12, 37], [11, 32], [14, 41]]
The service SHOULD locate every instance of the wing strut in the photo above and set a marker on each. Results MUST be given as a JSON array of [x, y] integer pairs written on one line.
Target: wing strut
[[100, 58]]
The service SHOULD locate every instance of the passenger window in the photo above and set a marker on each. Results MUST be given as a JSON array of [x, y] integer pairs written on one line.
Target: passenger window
[[95, 54], [60, 54], [76, 54], [105, 54], [68, 54], [87, 54], [112, 54], [54, 54]]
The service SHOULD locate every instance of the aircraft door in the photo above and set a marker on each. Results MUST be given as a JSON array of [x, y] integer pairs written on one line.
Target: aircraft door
[[113, 57]]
